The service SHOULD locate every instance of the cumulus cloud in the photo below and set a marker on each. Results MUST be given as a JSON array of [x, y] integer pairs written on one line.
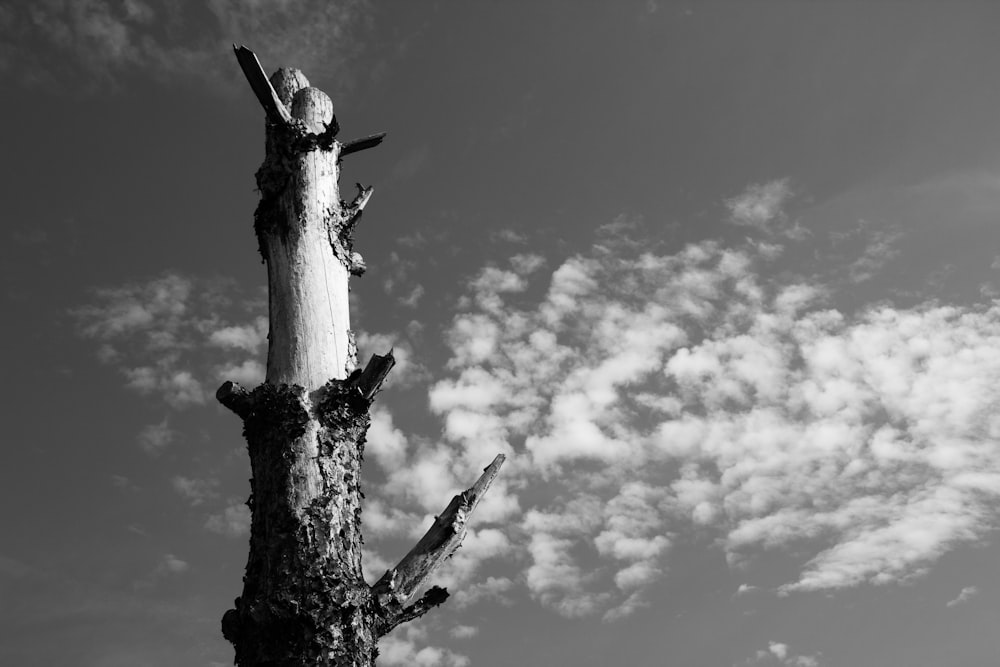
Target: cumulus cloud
[[194, 490], [176, 338], [231, 521], [655, 396], [155, 438], [57, 42], [402, 647], [171, 564], [780, 654], [760, 205], [407, 371]]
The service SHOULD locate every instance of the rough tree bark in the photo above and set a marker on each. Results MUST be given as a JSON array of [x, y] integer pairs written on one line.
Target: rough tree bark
[[304, 600]]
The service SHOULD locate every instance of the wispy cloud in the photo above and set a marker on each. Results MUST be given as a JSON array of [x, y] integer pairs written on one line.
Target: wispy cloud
[[56, 43], [881, 248], [762, 205], [155, 438], [964, 595], [176, 337], [195, 490]]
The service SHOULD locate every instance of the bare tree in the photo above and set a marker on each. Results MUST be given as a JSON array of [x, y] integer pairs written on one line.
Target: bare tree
[[304, 600]]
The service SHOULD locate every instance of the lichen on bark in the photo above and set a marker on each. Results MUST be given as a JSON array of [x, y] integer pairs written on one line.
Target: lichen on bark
[[304, 594]]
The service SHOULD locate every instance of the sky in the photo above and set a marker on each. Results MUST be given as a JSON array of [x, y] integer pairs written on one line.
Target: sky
[[720, 278]]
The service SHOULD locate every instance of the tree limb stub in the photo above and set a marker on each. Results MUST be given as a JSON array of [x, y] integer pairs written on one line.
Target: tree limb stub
[[442, 539], [233, 396], [370, 380], [371, 141], [262, 88]]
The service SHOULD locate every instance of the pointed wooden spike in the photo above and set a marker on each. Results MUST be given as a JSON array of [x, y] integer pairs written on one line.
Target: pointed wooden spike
[[261, 86], [439, 542]]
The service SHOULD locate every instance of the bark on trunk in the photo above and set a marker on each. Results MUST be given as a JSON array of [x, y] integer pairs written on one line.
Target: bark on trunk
[[304, 600]]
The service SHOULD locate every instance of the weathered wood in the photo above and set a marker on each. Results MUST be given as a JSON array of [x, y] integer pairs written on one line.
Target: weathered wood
[[300, 211], [233, 396], [439, 542], [273, 106], [370, 380], [304, 599], [371, 141]]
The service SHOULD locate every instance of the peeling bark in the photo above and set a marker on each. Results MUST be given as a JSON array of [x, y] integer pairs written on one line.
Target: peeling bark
[[304, 599]]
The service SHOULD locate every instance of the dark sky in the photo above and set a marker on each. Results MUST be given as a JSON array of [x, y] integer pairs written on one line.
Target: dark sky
[[719, 278]]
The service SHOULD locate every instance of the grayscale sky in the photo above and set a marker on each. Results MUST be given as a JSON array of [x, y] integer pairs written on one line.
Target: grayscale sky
[[719, 278]]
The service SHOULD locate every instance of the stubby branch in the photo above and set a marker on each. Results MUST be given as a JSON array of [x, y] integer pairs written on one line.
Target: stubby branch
[[233, 396], [442, 539], [369, 381]]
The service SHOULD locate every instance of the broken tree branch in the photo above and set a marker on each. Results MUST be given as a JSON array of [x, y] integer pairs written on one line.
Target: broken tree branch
[[371, 141], [360, 201], [261, 86], [434, 596], [442, 539], [370, 380], [233, 396]]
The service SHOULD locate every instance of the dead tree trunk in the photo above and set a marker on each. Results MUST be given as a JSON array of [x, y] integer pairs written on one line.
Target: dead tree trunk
[[304, 599]]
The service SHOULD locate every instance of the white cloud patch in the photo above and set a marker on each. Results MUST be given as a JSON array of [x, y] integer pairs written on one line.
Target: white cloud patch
[[407, 370], [194, 490], [168, 565], [155, 438], [55, 42], [760, 205], [177, 337], [248, 337], [385, 443], [781, 655], [657, 396], [464, 631], [778, 654], [233, 521], [402, 647], [964, 595], [882, 248]]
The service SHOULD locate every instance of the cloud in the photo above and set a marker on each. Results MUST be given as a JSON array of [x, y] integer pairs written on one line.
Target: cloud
[[249, 372], [881, 249], [964, 595], [655, 396], [780, 654], [400, 647], [385, 443], [195, 491], [167, 566], [247, 337], [761, 204], [407, 371], [233, 521], [171, 336], [56, 43], [155, 438]]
